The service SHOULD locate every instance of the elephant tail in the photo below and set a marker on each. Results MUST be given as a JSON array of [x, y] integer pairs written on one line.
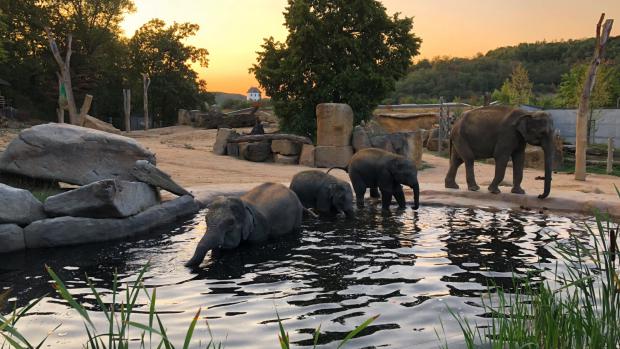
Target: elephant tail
[[345, 169]]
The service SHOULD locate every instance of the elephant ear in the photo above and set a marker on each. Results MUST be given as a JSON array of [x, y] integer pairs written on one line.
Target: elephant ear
[[521, 124], [248, 224], [324, 198]]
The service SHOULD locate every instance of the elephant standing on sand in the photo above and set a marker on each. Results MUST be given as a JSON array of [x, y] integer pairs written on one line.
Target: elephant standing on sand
[[323, 192], [376, 168], [501, 133], [267, 211]]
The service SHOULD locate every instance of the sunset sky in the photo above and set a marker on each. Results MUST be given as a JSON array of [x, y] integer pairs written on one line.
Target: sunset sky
[[232, 31]]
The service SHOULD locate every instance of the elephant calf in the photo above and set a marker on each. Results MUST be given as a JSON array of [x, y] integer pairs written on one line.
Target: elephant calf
[[376, 168], [267, 211], [323, 192]]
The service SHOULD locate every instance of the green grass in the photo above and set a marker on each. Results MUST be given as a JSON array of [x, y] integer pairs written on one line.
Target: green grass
[[583, 313], [120, 320], [569, 167]]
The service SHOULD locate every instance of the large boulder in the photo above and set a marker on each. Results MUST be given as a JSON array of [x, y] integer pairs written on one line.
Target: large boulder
[[145, 172], [19, 206], [12, 237], [256, 152], [334, 124], [72, 154], [306, 158], [332, 156], [108, 198], [221, 140], [63, 231], [285, 147], [432, 142]]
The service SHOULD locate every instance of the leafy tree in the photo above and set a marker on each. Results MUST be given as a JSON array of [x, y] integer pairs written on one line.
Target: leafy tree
[[569, 92], [343, 51], [160, 52], [517, 89]]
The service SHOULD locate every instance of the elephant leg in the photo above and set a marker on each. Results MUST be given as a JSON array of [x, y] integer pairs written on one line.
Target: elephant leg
[[374, 193], [518, 161], [455, 162], [399, 195], [469, 174], [360, 189], [386, 198], [501, 162]]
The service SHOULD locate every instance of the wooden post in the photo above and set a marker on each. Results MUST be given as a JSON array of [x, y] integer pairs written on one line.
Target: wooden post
[[65, 74], [146, 82], [440, 135], [127, 108], [61, 115], [88, 99], [610, 155], [584, 103]]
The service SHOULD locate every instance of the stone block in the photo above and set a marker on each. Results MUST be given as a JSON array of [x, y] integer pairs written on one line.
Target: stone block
[[183, 118], [104, 199], [12, 238], [221, 140], [307, 155], [232, 149], [286, 159], [19, 206], [334, 124], [256, 152], [332, 156], [285, 147]]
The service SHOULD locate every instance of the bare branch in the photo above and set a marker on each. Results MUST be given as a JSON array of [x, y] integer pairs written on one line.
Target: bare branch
[[54, 47], [68, 55]]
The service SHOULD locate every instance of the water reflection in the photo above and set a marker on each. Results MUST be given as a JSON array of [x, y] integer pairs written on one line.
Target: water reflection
[[407, 266]]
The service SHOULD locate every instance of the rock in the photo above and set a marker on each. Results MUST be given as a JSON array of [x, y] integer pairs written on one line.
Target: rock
[[108, 198], [19, 206], [334, 124], [96, 124], [399, 122], [221, 140], [257, 152], [72, 154], [416, 148], [382, 142], [286, 159], [360, 139], [232, 149], [307, 155], [145, 172], [183, 118], [332, 156], [64, 231], [12, 237], [432, 142], [534, 157], [285, 147]]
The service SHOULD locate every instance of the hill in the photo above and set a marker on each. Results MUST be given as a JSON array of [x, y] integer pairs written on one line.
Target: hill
[[469, 78]]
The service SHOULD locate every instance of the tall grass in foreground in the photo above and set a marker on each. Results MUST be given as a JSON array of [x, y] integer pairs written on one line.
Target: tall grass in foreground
[[584, 312], [119, 320]]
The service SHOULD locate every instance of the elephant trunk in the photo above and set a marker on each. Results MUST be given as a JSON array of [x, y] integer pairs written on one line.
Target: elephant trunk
[[416, 195], [207, 243], [548, 148], [348, 212]]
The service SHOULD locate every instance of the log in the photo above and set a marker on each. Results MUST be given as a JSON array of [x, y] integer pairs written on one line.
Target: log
[[88, 100], [270, 137]]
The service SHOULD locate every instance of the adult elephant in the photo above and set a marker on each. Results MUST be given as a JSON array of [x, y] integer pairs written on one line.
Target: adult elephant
[[376, 168], [501, 133], [323, 192], [267, 211]]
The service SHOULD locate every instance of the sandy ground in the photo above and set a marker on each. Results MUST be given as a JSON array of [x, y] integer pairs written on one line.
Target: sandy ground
[[185, 153]]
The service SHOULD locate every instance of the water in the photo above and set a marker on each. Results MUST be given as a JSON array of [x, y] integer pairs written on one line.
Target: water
[[408, 267]]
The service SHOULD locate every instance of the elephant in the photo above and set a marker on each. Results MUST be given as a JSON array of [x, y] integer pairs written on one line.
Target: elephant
[[323, 192], [270, 210], [376, 168], [502, 133]]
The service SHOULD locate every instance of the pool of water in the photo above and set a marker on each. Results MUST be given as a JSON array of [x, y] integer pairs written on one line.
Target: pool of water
[[407, 266]]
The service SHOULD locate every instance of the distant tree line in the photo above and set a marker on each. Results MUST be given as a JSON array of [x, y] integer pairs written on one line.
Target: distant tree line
[[553, 69], [103, 63]]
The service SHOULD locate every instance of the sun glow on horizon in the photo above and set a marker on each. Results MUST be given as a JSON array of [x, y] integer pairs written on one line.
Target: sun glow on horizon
[[232, 32]]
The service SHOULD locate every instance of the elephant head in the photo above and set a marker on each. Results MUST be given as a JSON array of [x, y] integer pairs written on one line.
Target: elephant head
[[404, 172], [337, 195], [229, 221], [537, 129]]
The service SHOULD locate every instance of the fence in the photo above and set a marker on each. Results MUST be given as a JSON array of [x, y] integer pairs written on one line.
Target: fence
[[606, 124]]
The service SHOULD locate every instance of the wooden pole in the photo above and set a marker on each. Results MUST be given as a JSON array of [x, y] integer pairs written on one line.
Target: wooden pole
[[440, 135], [146, 82], [127, 108], [88, 99], [65, 74], [610, 155], [61, 115], [581, 136]]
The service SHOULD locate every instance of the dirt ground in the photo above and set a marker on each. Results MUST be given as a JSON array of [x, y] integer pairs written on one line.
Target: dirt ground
[[185, 154]]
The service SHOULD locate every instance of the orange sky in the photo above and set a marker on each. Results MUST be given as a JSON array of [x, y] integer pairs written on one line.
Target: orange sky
[[233, 30]]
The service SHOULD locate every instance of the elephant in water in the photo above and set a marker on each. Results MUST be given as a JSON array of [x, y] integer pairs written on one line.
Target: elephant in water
[[267, 211], [323, 192], [502, 133]]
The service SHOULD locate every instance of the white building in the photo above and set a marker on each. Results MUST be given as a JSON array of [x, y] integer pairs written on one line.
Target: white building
[[253, 94]]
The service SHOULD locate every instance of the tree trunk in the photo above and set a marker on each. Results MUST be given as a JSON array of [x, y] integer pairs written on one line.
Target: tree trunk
[[65, 74], [610, 155], [146, 82], [88, 99], [127, 108], [581, 135]]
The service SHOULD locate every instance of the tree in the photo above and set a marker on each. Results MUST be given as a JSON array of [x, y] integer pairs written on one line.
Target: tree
[[159, 51], [572, 82], [517, 89], [343, 51]]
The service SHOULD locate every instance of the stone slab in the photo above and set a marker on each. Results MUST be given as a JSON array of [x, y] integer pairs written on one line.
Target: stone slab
[[19, 206], [285, 147], [334, 124], [146, 172], [332, 156], [307, 155]]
